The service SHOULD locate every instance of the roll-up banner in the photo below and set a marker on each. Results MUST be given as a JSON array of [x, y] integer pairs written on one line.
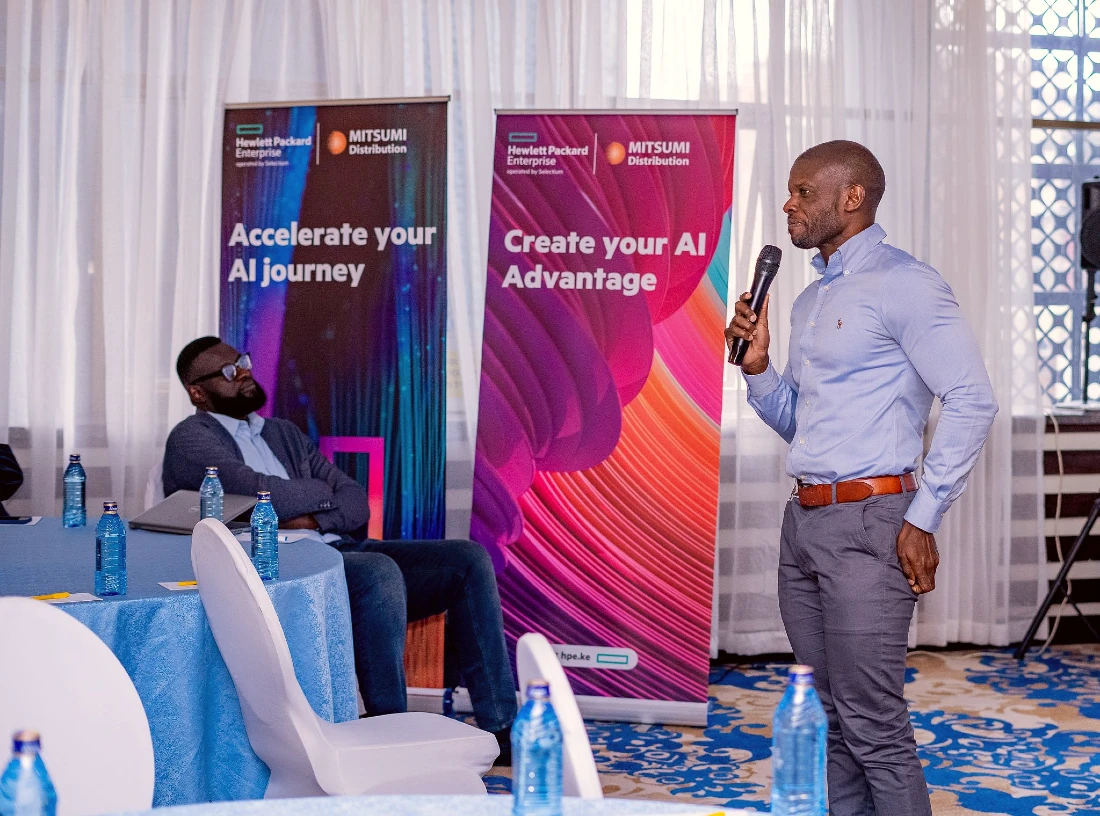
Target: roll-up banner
[[333, 277], [596, 476]]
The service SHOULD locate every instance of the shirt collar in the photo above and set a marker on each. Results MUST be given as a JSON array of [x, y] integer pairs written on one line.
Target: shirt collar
[[849, 254], [254, 423]]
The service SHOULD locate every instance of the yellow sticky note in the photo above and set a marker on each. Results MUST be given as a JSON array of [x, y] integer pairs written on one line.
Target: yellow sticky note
[[56, 596]]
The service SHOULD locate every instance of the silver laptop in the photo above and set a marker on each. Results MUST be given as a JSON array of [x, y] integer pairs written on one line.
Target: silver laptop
[[179, 513]]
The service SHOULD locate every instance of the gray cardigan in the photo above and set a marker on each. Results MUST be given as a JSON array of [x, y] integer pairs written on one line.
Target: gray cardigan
[[315, 486]]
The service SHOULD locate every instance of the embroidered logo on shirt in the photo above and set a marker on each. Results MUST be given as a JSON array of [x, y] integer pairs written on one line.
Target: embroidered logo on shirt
[[839, 323]]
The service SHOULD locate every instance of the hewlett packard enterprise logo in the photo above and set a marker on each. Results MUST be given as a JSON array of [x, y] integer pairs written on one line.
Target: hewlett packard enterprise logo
[[251, 143]]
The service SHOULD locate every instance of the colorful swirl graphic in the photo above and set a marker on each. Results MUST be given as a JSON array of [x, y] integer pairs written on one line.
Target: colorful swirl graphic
[[596, 479]]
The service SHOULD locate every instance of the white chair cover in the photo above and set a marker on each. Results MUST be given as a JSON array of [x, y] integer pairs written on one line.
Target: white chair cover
[[154, 485], [60, 679], [535, 658], [308, 756]]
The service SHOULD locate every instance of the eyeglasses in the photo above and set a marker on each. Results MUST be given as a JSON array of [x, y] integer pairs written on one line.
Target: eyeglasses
[[229, 370]]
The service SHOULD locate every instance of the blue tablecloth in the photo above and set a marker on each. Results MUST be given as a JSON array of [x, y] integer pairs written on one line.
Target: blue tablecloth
[[162, 639], [436, 806]]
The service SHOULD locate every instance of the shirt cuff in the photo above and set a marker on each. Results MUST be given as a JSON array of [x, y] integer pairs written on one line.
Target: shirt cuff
[[762, 384], [925, 512]]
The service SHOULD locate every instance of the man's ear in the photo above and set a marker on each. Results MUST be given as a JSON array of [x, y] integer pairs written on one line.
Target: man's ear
[[197, 395], [854, 197]]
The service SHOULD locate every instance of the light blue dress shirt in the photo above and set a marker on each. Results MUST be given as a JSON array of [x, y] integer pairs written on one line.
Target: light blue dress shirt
[[871, 343], [255, 450]]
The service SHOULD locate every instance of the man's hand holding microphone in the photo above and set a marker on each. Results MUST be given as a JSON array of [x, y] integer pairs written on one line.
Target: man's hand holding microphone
[[752, 327], [747, 336]]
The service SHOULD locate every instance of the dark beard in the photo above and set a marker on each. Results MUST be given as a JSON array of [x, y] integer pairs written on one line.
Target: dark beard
[[240, 405], [820, 230]]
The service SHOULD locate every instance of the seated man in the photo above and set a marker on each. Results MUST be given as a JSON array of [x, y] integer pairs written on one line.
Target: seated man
[[389, 582]]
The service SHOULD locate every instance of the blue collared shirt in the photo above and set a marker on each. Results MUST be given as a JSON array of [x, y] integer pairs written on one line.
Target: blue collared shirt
[[871, 343], [255, 450]]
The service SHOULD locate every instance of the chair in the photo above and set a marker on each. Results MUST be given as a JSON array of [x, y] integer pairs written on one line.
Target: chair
[[61, 680], [535, 658], [309, 756], [154, 485]]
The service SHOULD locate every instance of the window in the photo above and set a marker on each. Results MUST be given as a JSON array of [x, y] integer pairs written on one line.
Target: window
[[1065, 137]]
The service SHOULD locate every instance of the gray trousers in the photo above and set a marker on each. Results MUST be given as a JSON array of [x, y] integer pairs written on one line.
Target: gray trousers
[[846, 606]]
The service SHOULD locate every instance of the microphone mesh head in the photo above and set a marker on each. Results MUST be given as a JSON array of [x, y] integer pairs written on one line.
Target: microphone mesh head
[[770, 254]]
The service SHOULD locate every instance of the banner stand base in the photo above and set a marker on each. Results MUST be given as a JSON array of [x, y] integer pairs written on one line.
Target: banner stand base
[[613, 709]]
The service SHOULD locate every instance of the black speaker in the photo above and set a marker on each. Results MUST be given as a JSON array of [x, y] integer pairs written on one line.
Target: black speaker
[[1090, 262], [1090, 224]]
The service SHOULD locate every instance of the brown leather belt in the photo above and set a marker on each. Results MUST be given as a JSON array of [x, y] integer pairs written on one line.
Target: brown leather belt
[[820, 495]]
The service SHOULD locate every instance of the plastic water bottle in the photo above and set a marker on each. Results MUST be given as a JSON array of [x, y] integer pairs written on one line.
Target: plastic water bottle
[[25, 787], [211, 496], [265, 537], [74, 513], [536, 755], [799, 732], [110, 552]]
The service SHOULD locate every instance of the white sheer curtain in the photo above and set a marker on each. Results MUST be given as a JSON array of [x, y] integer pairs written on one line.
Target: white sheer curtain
[[109, 202], [111, 112], [939, 91]]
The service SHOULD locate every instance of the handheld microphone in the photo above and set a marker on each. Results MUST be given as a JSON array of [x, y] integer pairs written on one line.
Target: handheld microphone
[[767, 264]]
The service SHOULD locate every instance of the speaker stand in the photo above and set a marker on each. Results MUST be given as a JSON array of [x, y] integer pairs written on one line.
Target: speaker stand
[[1059, 584], [1087, 316]]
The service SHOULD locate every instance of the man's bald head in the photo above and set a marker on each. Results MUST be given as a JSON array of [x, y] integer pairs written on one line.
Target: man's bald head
[[835, 191], [855, 164]]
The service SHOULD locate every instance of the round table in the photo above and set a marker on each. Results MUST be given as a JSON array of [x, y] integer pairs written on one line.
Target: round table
[[161, 637], [435, 806]]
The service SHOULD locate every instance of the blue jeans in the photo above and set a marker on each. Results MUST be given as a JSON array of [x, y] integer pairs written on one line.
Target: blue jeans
[[393, 582]]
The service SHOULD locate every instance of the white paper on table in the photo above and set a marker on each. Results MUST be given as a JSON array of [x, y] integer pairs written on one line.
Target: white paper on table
[[174, 586], [285, 536], [75, 597]]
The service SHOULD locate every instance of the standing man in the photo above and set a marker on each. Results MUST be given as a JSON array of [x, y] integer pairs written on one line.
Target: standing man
[[872, 341]]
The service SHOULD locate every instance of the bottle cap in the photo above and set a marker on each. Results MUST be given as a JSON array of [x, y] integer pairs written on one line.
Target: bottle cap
[[25, 741], [538, 689], [74, 458], [110, 507], [211, 470], [263, 495], [801, 675]]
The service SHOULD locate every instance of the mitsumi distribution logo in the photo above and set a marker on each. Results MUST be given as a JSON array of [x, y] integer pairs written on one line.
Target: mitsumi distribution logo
[[662, 154], [368, 141]]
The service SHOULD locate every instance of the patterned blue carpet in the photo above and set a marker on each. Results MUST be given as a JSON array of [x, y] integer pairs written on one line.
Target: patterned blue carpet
[[995, 736]]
